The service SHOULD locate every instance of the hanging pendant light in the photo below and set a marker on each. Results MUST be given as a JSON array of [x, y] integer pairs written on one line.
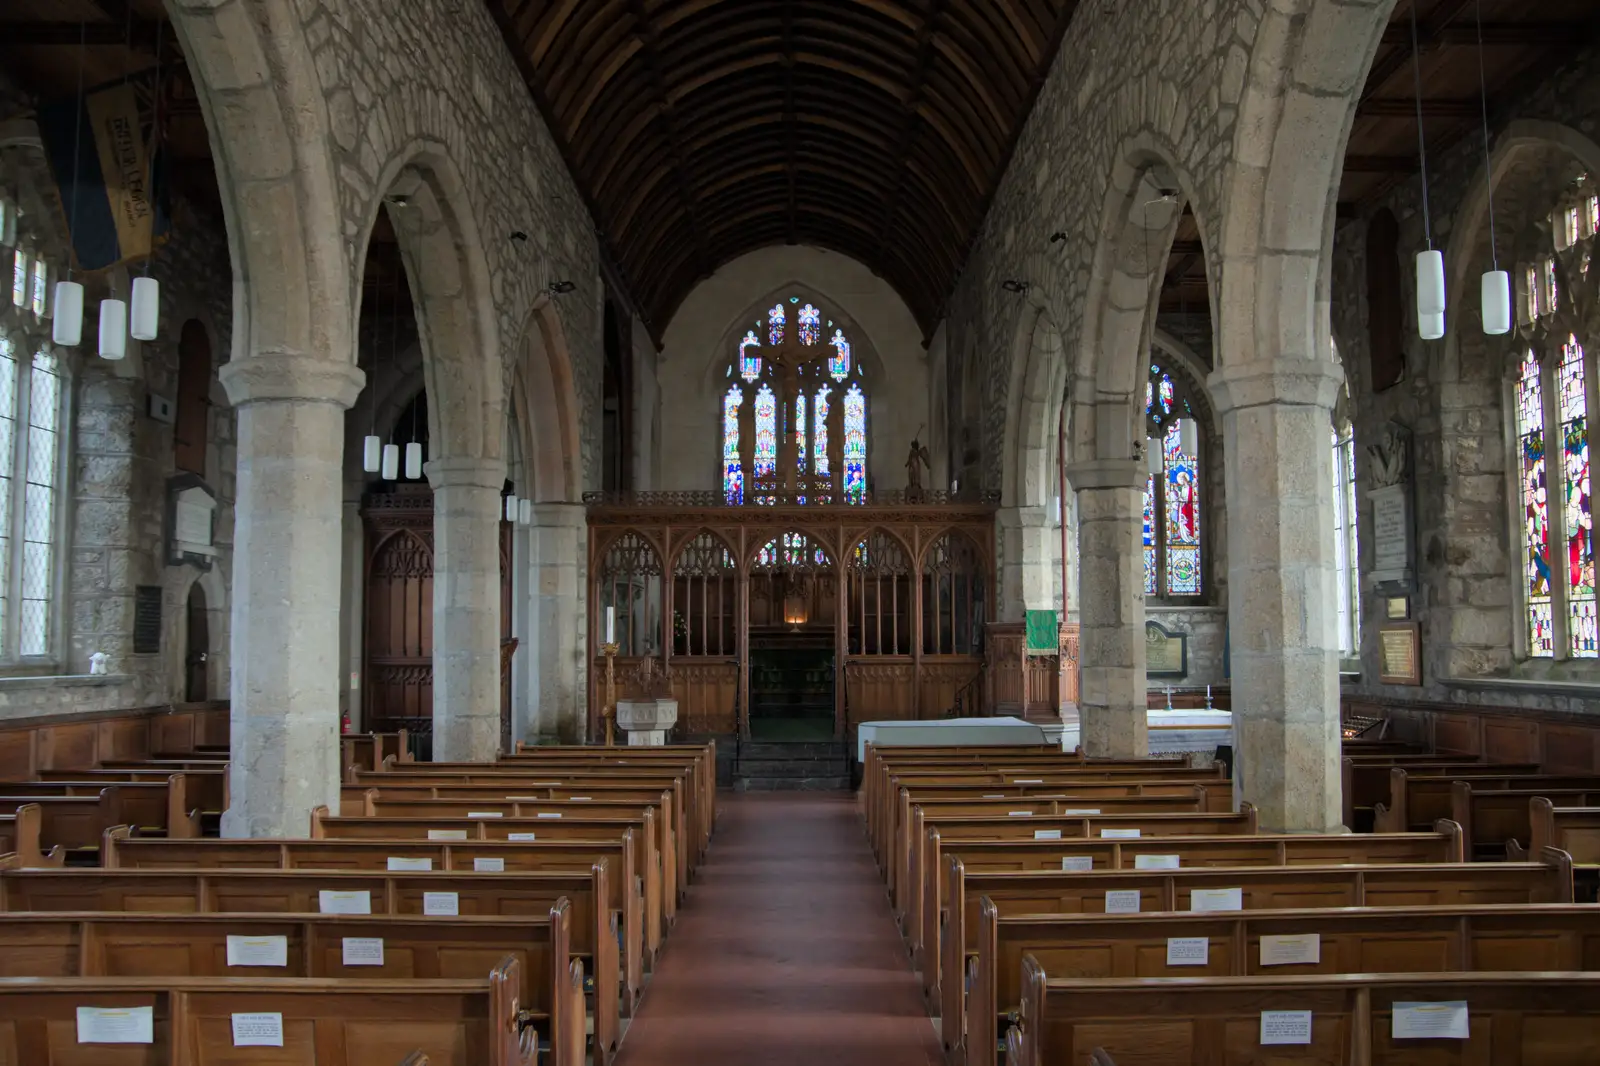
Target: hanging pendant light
[[524, 512], [1430, 263], [1431, 327], [372, 453], [391, 462], [414, 460], [1154, 460], [511, 508], [1189, 436], [113, 329], [145, 320], [1497, 303], [67, 329], [1496, 292]]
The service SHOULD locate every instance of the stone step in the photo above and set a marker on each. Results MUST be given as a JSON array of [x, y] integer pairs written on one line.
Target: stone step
[[794, 749], [788, 767], [791, 784]]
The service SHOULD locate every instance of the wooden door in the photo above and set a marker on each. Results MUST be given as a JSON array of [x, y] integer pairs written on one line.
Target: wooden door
[[195, 649]]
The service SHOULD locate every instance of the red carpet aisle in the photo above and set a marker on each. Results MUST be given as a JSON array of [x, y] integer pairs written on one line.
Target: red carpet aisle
[[786, 952]]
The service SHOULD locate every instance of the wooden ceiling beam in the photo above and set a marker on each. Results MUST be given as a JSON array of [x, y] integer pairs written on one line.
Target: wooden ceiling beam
[[910, 120], [1429, 33], [1406, 107], [788, 126], [1495, 34]]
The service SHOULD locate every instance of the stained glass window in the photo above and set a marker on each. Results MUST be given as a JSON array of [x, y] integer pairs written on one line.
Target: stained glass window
[[839, 365], [732, 468], [810, 325], [1150, 536], [41, 286], [775, 318], [1346, 557], [819, 441], [1172, 504], [1183, 513], [800, 452], [1573, 404], [1535, 507], [19, 278], [766, 457], [750, 356], [31, 394], [855, 442]]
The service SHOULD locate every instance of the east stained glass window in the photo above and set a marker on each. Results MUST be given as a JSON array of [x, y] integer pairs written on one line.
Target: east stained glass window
[[1573, 403], [1535, 507], [793, 382], [1172, 498]]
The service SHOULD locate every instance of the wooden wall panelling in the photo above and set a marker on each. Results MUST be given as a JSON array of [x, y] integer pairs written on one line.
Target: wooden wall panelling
[[705, 690], [941, 677], [1560, 743], [82, 742]]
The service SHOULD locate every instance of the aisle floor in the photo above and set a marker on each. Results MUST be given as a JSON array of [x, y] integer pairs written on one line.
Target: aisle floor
[[786, 951]]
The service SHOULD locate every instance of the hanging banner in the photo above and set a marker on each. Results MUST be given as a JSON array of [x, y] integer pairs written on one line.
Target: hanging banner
[[107, 164], [1043, 633]]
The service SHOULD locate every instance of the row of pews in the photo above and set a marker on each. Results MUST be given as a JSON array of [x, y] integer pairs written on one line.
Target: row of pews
[[454, 914], [1064, 910]]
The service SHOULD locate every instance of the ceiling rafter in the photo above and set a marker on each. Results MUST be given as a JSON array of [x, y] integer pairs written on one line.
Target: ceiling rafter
[[911, 125], [788, 124]]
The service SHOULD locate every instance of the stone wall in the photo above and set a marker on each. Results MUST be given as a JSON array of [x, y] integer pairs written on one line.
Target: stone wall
[[1454, 397]]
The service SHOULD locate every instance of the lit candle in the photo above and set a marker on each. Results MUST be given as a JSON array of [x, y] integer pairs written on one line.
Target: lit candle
[[611, 625]]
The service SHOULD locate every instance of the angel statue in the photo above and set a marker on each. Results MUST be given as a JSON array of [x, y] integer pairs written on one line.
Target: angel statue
[[915, 461]]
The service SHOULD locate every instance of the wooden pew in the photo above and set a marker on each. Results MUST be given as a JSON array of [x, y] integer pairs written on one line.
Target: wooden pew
[[205, 789], [1421, 797], [325, 1023], [547, 858], [1493, 818], [1575, 830], [53, 945], [152, 806], [72, 822], [20, 845], [1353, 940], [700, 760], [593, 930], [638, 832], [1366, 781], [1532, 1019], [922, 867], [1002, 856], [417, 1058]]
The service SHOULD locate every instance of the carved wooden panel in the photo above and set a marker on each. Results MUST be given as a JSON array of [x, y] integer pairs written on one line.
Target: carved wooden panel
[[879, 689], [1569, 749], [939, 681], [1511, 740], [16, 754], [707, 691]]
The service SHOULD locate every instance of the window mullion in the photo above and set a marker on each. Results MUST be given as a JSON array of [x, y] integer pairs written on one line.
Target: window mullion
[[19, 505], [1555, 479]]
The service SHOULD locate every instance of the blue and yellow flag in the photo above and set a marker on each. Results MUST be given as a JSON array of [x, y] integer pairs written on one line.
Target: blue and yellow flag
[[106, 155]]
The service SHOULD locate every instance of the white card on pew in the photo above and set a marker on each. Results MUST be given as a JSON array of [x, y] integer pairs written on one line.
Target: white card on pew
[[331, 901], [1285, 1027], [1019, 814], [577, 799], [399, 865], [1028, 781], [1077, 863], [258, 1030], [534, 798], [1080, 810], [1119, 834], [258, 951], [1155, 862], [549, 814], [1430, 1021], [522, 836], [363, 951], [488, 866], [447, 834], [1216, 899], [485, 814], [1188, 950], [1047, 834], [441, 904], [994, 795], [1122, 901], [1291, 949], [116, 1025]]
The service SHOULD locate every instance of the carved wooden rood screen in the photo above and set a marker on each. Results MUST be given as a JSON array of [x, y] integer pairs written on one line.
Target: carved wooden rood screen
[[818, 615]]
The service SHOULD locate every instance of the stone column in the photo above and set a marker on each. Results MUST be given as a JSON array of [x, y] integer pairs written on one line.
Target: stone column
[[1030, 563], [466, 608], [285, 626], [1111, 699], [1284, 645], [557, 638]]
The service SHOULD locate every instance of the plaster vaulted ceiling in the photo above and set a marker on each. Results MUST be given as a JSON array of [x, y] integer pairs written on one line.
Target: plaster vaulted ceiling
[[703, 129]]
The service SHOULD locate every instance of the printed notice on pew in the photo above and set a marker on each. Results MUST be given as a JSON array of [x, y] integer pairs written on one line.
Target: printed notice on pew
[[1216, 899], [441, 904], [1285, 1027], [258, 951], [330, 901], [447, 834], [400, 865], [1077, 863], [488, 866], [1430, 1021], [1122, 901], [1188, 950], [116, 1025], [363, 951], [1155, 862], [1291, 950], [258, 1030]]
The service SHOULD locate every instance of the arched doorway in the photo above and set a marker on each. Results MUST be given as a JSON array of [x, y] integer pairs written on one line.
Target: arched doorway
[[198, 644]]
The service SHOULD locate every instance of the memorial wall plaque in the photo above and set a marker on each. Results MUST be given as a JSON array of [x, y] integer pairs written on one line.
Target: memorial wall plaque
[[1399, 654], [1390, 500], [147, 620], [1166, 653]]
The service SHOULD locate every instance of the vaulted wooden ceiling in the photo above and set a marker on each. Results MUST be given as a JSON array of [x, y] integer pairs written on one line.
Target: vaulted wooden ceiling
[[703, 129]]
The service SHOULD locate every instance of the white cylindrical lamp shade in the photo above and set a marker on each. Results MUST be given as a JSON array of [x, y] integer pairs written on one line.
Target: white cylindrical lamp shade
[[414, 460], [113, 329], [372, 454], [1497, 303], [511, 508], [391, 462], [1430, 283], [1431, 326], [144, 320], [1189, 436], [1154, 460], [611, 625], [524, 512], [67, 329]]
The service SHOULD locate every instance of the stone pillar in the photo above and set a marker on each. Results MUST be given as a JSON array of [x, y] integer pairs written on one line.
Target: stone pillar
[[1030, 562], [558, 633], [466, 608], [1284, 645], [1111, 699], [285, 627]]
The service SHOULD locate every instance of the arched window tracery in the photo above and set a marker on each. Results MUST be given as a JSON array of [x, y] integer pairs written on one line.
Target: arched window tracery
[[794, 417], [1173, 560]]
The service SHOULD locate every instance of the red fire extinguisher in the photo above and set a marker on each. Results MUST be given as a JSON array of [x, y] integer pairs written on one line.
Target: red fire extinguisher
[[344, 722]]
